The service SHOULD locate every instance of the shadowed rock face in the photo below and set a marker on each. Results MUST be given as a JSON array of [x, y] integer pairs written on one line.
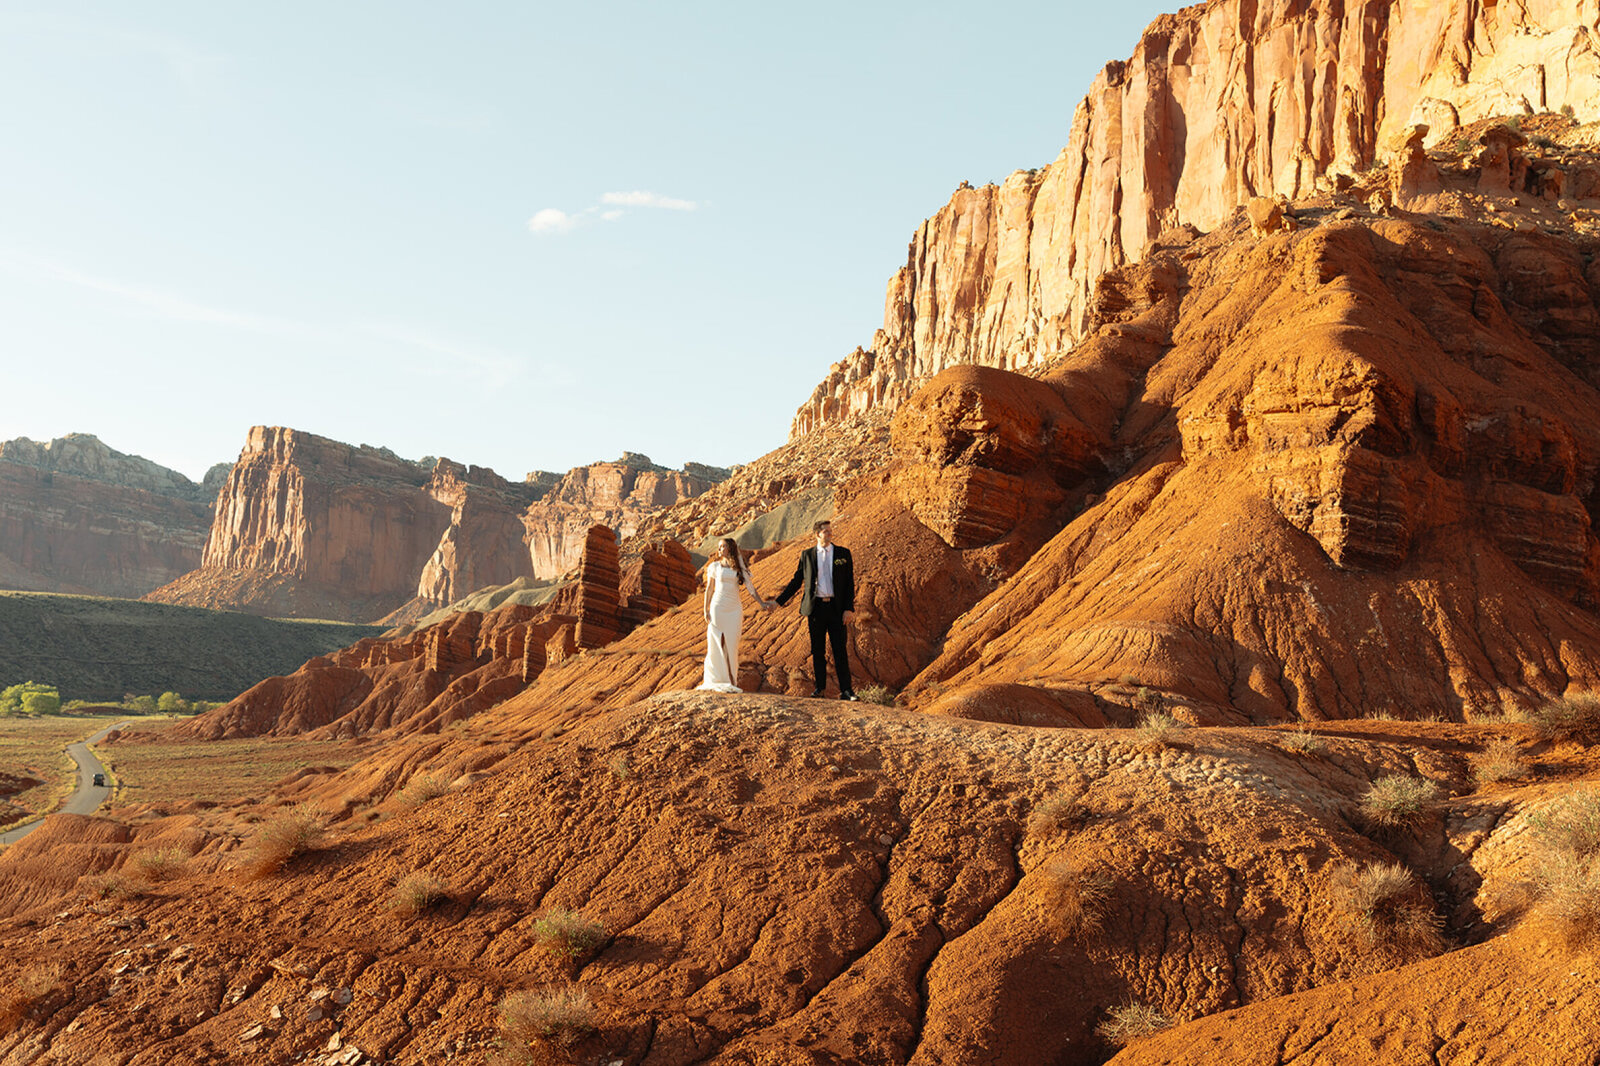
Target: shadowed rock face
[[1219, 103], [79, 517]]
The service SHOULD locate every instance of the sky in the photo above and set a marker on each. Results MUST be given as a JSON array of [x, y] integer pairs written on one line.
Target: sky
[[522, 235]]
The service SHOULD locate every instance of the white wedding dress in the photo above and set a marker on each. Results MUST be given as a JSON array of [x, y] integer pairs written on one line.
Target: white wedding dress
[[722, 632]]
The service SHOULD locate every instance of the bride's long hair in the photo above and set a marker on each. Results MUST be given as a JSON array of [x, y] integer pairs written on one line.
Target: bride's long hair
[[730, 548]]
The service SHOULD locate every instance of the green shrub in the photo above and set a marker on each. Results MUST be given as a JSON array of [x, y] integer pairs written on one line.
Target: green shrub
[[1500, 760], [160, 864], [284, 836], [878, 694], [424, 787], [171, 703], [1302, 741], [1575, 717]]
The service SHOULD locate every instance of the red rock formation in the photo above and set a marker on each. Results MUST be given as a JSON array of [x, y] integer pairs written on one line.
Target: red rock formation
[[464, 664], [1220, 103], [78, 517], [621, 495]]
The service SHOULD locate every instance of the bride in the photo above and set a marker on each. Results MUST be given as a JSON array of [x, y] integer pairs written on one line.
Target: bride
[[724, 612]]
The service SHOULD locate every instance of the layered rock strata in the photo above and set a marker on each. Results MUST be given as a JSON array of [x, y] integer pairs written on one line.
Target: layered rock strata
[[1219, 103], [77, 516]]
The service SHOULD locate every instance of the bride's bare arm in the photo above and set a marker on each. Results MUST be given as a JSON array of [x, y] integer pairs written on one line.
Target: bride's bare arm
[[705, 601]]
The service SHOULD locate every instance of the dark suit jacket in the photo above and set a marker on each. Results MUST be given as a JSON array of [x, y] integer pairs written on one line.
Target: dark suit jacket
[[805, 580]]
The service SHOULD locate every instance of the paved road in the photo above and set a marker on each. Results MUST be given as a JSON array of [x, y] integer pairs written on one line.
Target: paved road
[[88, 797]]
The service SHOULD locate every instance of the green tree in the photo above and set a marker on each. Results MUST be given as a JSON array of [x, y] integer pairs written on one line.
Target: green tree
[[172, 703], [14, 700], [140, 704], [38, 703]]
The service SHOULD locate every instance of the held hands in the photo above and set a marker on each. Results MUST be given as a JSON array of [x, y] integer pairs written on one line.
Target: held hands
[[849, 616]]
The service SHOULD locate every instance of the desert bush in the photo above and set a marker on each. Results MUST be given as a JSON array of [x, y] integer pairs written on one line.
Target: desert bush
[[1566, 109], [1156, 730], [620, 767], [561, 1015], [159, 864], [1060, 813], [424, 787], [1381, 905], [567, 933], [284, 836], [1397, 800], [1500, 760], [1568, 886], [112, 885], [1302, 742], [172, 703], [878, 694], [1575, 717], [1127, 1023], [23, 992], [415, 893], [1571, 825], [1080, 895]]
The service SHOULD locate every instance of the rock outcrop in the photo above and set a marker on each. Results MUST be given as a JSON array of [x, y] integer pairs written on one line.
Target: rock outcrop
[[1219, 103], [621, 495], [77, 516], [425, 680]]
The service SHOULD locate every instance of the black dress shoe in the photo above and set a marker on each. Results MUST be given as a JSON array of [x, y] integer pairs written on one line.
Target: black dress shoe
[[816, 693], [851, 696]]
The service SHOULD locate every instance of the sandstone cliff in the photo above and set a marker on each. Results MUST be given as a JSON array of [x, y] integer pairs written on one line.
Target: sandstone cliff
[[77, 516], [1219, 103]]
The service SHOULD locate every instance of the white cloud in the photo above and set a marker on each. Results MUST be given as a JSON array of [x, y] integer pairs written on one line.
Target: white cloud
[[612, 215], [552, 220], [641, 198]]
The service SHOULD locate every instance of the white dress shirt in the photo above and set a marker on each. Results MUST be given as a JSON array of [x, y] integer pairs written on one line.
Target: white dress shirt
[[825, 571]]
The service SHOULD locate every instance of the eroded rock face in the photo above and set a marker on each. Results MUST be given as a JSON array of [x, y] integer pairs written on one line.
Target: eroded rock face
[[1219, 103], [985, 450], [1343, 480], [77, 516], [622, 495]]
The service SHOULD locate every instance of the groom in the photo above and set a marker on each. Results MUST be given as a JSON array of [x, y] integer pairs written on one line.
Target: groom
[[827, 585]]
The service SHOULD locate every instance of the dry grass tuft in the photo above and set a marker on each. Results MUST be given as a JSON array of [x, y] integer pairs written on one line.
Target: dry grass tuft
[[1129, 1022], [1061, 813], [1385, 908], [1571, 825], [620, 767], [878, 694], [25, 991], [567, 933], [113, 885], [159, 864], [1157, 730], [415, 893], [422, 788], [1302, 741], [1575, 717], [1081, 895], [1398, 800], [1500, 760], [562, 1015], [283, 837]]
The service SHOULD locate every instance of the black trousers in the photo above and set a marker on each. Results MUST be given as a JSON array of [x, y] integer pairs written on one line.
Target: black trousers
[[826, 623]]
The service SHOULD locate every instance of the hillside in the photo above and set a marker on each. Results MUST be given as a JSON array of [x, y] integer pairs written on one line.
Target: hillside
[[94, 648]]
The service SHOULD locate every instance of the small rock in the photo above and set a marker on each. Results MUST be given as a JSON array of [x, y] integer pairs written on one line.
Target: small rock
[[253, 1032], [275, 1013], [335, 1042], [885, 839], [316, 1014], [318, 995], [1526, 225], [343, 996]]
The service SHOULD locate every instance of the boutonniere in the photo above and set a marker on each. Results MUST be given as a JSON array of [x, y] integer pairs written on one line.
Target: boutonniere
[[841, 562]]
